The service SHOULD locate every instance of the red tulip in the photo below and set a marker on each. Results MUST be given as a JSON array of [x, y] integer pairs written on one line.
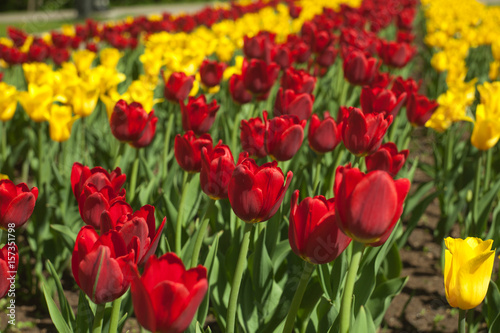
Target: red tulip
[[381, 80], [408, 86], [187, 150], [405, 18], [18, 36], [137, 229], [395, 54], [197, 115], [101, 264], [301, 52], [17, 203], [93, 202], [166, 296], [216, 170], [327, 57], [313, 232], [387, 158], [9, 260], [238, 91], [59, 55], [283, 56], [325, 135], [362, 134], [404, 37], [252, 137], [256, 193], [379, 100], [420, 109], [211, 72], [290, 103], [99, 177], [294, 10], [299, 81], [358, 68], [131, 123], [283, 136], [259, 46], [368, 206], [259, 77], [178, 87]]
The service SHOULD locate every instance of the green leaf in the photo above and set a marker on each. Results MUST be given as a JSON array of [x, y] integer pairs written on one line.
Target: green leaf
[[261, 269], [493, 302], [69, 316], [84, 315], [55, 314], [67, 235], [382, 296], [364, 322]]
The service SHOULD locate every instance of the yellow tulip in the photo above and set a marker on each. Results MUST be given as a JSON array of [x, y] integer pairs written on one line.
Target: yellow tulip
[[60, 122], [36, 102], [83, 98], [2, 176], [83, 60], [8, 101], [109, 57], [467, 271], [38, 73], [486, 129]]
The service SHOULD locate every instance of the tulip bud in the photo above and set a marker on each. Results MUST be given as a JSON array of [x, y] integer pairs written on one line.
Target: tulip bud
[[131, 123], [290, 103], [419, 109], [17, 203], [368, 206], [211, 72], [178, 87], [283, 136], [259, 77], [238, 91], [216, 170], [358, 68], [197, 115], [259, 47], [313, 232], [387, 158], [252, 137], [187, 150], [325, 135]]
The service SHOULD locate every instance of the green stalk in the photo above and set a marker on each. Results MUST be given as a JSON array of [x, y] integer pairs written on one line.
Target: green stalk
[[345, 310], [238, 274], [201, 234], [115, 315], [343, 94], [3, 147], [487, 175], [119, 153], [133, 178], [475, 195], [178, 226], [317, 172], [297, 298], [166, 145], [98, 318], [461, 320], [394, 128], [40, 154]]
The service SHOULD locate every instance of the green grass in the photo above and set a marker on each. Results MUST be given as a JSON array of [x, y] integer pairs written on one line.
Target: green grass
[[35, 27]]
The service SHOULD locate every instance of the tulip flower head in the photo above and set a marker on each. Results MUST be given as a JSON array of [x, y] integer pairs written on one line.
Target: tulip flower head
[[17, 203], [178, 86], [283, 137], [324, 135], [197, 115], [291, 103], [187, 150], [252, 137], [6, 266], [468, 266], [216, 170], [387, 158], [82, 175]]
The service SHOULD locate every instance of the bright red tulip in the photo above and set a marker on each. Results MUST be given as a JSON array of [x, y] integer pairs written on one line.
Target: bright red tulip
[[408, 86], [93, 202], [290, 103], [131, 123], [101, 264], [362, 134], [187, 150], [283, 136], [17, 203], [395, 54], [211, 72], [387, 158], [252, 137], [379, 100], [256, 193], [259, 77], [99, 177], [166, 296], [197, 115], [9, 260], [358, 68], [313, 232], [178, 87], [420, 109], [368, 206], [298, 80], [238, 91], [324, 135], [405, 18], [216, 170]]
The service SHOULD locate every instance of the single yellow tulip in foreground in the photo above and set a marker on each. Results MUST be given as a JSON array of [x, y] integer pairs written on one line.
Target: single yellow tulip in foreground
[[467, 271]]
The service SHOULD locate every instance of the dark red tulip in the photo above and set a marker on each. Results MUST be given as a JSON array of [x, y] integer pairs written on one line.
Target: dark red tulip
[[298, 80], [59, 56], [327, 57], [419, 109], [259, 77], [211, 72], [101, 264], [395, 54], [313, 232], [379, 100], [283, 56], [216, 170], [283, 136], [197, 115], [167, 296], [387, 158], [381, 80], [301, 52], [405, 18], [187, 150], [404, 37], [362, 134], [238, 91], [358, 68], [38, 52], [252, 137], [9, 260], [148, 134], [290, 103], [131, 123], [324, 135], [294, 10], [368, 206], [99, 177], [408, 86], [18, 36], [256, 193], [138, 229], [93, 202], [178, 87], [259, 46], [17, 203]]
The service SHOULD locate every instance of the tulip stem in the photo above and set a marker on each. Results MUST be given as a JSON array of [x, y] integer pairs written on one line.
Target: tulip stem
[[475, 198], [297, 298], [133, 178], [345, 310], [317, 172], [178, 226], [166, 146], [461, 320], [115, 315], [3, 133], [487, 174], [238, 274], [40, 154], [201, 233], [98, 317]]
